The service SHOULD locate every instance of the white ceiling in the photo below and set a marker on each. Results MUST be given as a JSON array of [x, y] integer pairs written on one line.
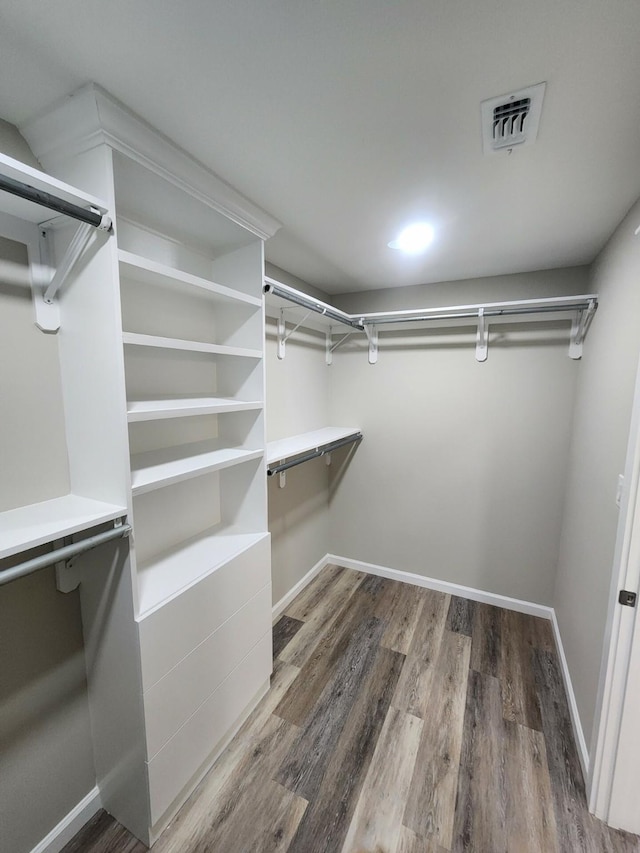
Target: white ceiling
[[347, 119]]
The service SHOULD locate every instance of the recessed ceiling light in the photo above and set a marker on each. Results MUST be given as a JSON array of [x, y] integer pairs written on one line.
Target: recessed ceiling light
[[414, 238]]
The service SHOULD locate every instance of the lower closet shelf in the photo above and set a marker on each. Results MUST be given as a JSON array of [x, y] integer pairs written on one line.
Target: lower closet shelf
[[37, 524], [171, 572]]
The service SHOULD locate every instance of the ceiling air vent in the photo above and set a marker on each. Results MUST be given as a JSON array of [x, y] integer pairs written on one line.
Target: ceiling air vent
[[511, 120]]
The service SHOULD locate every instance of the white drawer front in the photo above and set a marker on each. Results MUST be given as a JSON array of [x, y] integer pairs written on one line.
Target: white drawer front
[[191, 748], [173, 631], [173, 699]]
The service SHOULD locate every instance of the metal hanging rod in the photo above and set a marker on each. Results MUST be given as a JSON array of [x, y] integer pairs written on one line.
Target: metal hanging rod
[[496, 309], [319, 451], [61, 554], [101, 221], [311, 304]]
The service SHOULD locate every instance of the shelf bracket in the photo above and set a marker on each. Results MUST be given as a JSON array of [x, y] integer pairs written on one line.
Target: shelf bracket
[[331, 346], [282, 479], [579, 328], [372, 335], [46, 285], [69, 571], [328, 353], [482, 337]]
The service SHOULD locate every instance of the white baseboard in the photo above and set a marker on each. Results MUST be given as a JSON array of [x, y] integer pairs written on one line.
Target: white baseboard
[[581, 743], [286, 599], [64, 831], [444, 586]]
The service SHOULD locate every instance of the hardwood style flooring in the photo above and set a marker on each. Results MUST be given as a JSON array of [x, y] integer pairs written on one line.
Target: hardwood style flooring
[[400, 720]]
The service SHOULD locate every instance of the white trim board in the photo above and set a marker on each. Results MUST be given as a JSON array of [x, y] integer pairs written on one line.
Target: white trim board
[[517, 604], [71, 823]]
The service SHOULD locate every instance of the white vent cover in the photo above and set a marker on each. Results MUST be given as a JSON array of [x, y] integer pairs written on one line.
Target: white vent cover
[[512, 119]]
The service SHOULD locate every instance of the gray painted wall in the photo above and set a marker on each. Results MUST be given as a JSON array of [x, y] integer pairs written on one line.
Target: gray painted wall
[[297, 401], [461, 474], [599, 440], [45, 742]]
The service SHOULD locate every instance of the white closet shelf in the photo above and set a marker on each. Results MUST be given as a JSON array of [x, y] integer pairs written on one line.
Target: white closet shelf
[[171, 572], [147, 271], [36, 524], [284, 448], [182, 407], [157, 468], [135, 339], [28, 210]]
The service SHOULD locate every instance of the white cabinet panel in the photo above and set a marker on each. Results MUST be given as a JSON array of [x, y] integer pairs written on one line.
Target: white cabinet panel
[[190, 750], [169, 634], [173, 699]]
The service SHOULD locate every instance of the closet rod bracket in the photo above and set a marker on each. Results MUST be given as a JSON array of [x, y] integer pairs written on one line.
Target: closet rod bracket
[[69, 570], [482, 337], [579, 328], [372, 334]]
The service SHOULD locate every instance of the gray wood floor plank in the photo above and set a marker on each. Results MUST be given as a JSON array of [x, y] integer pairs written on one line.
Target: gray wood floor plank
[[313, 595], [320, 620], [102, 834], [283, 631], [299, 701], [214, 817], [409, 842], [413, 691], [530, 817], [486, 645], [480, 819], [326, 820], [304, 767], [431, 802], [400, 608], [377, 820], [564, 766], [460, 616], [519, 696]]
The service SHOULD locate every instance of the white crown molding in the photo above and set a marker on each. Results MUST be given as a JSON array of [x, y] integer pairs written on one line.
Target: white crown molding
[[91, 117]]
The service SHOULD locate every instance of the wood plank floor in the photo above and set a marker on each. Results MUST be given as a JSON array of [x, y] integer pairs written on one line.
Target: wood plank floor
[[400, 720]]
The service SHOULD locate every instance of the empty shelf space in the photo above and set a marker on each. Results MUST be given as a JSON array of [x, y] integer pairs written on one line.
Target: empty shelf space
[[29, 526], [173, 571], [148, 271], [156, 468], [306, 442], [134, 339], [181, 407]]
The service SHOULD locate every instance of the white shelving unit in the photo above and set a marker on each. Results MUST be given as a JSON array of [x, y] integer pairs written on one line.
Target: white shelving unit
[[181, 292]]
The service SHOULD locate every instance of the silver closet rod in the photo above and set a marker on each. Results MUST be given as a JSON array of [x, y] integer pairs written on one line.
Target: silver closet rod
[[319, 451], [45, 199], [60, 554]]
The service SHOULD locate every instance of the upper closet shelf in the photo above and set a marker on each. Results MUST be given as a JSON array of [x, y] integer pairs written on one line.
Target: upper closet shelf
[[577, 309], [37, 524], [27, 195], [288, 452], [147, 271]]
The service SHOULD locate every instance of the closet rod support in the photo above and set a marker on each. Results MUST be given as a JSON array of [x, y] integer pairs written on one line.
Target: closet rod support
[[482, 337], [372, 334], [74, 251], [62, 554], [579, 329]]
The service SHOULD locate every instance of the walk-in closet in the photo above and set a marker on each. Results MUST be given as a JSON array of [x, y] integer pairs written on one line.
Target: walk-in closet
[[319, 428]]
